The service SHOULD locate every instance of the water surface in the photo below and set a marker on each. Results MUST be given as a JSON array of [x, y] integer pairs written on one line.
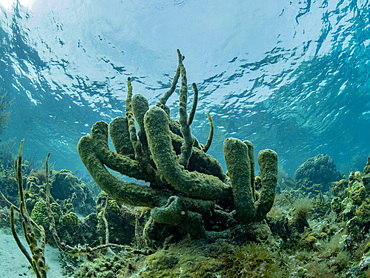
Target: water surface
[[286, 75]]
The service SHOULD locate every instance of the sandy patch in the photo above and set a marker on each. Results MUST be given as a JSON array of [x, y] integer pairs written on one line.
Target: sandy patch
[[13, 264]]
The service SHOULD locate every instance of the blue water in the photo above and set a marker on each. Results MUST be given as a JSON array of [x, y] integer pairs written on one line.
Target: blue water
[[293, 76]]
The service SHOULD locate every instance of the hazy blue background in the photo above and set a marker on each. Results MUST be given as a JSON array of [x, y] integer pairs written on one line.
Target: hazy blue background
[[293, 76]]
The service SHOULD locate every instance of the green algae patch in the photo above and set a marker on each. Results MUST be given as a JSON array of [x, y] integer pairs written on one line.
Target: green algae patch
[[185, 259], [70, 219], [161, 260], [39, 214]]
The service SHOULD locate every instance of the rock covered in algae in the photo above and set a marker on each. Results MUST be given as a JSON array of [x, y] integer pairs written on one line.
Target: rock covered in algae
[[339, 188], [162, 259], [352, 204], [367, 167], [64, 184], [366, 177], [40, 215], [316, 174]]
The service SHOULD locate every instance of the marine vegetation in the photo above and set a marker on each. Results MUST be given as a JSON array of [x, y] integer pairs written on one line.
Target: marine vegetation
[[64, 185], [351, 202], [43, 216], [37, 261], [188, 187], [69, 196]]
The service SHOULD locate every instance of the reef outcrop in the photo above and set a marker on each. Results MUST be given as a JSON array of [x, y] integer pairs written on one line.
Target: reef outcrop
[[187, 187], [65, 187], [351, 202], [316, 174]]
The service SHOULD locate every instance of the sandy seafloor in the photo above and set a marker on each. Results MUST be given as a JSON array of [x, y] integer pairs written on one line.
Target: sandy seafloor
[[13, 264]]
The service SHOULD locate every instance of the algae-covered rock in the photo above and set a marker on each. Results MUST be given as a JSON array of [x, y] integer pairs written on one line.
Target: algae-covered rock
[[317, 174], [366, 182], [367, 167], [39, 214], [352, 204], [71, 229], [162, 259], [340, 188], [366, 177], [70, 220], [358, 193], [64, 184], [187, 259], [156, 234], [34, 191], [116, 266]]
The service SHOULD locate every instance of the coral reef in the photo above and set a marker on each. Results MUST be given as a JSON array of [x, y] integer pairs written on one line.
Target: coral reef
[[351, 203], [317, 174], [190, 219], [188, 188], [70, 191], [64, 185], [71, 229], [37, 261], [39, 214], [196, 221], [189, 258]]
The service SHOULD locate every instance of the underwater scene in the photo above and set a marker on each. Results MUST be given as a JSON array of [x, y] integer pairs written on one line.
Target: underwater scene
[[185, 138]]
